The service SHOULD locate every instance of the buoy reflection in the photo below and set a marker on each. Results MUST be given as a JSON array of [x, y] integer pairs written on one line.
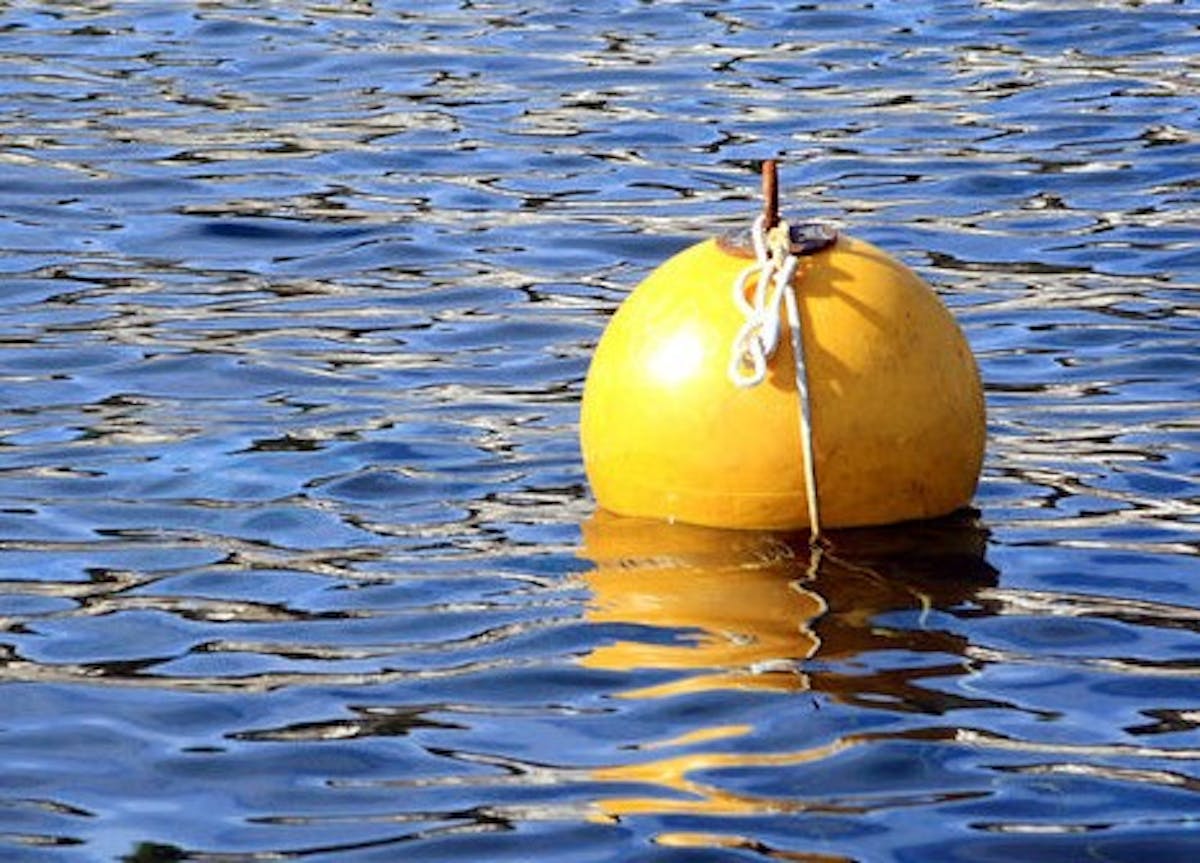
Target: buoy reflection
[[736, 610], [730, 602]]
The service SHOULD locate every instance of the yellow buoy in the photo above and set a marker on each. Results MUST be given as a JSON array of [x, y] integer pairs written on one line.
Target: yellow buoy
[[894, 402]]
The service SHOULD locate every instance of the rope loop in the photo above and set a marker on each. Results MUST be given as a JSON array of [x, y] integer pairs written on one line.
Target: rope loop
[[774, 266]]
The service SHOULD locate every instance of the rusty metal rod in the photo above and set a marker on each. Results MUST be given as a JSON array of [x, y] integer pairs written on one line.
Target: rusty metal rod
[[770, 191]]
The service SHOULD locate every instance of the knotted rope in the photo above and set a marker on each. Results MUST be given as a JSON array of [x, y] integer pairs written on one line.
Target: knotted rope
[[772, 298]]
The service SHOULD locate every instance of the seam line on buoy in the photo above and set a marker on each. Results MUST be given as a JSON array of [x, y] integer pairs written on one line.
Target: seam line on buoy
[[774, 297]]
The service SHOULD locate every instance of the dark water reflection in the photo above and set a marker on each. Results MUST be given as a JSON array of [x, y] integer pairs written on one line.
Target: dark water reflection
[[296, 559]]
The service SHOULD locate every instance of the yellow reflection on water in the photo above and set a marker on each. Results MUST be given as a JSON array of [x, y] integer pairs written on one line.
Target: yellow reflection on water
[[722, 610], [674, 773], [734, 594]]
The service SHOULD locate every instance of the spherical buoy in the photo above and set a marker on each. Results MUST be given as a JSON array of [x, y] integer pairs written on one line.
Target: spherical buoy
[[889, 395]]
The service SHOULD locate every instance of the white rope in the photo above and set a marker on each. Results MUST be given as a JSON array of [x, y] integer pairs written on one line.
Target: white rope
[[758, 337], [755, 342]]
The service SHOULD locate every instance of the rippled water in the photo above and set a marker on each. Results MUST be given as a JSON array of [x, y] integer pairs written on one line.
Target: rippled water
[[297, 556]]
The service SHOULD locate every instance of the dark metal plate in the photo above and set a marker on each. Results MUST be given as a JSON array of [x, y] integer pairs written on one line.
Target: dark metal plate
[[807, 238]]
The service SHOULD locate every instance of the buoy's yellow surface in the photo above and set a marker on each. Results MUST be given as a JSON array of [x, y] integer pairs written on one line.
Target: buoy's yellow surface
[[897, 409]]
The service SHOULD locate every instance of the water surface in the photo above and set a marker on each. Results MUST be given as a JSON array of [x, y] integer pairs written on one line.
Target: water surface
[[297, 555]]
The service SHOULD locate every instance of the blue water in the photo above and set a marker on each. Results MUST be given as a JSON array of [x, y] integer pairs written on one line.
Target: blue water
[[297, 560]]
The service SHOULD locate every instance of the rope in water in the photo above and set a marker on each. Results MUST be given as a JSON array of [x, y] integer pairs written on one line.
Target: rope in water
[[775, 267]]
